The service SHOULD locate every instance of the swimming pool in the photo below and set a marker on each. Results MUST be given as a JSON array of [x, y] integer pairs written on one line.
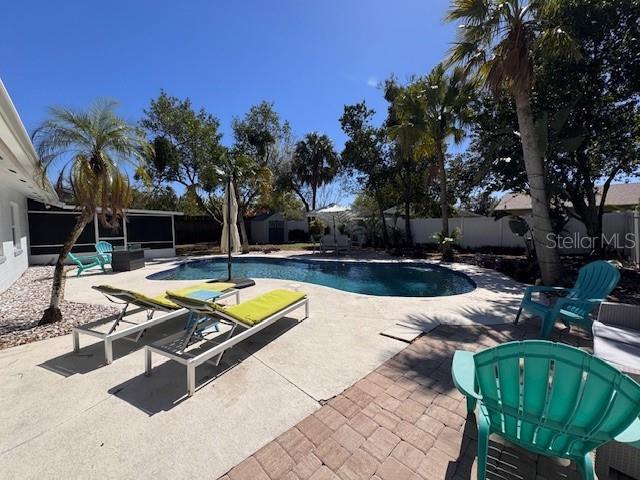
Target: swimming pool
[[383, 279]]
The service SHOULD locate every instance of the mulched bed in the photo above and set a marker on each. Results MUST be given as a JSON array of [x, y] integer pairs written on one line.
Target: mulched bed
[[524, 270], [21, 307]]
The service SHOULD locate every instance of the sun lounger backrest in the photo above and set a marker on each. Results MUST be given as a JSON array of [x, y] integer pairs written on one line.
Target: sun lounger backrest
[[135, 298]]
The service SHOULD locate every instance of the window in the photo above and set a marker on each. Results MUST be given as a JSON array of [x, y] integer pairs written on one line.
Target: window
[[15, 226]]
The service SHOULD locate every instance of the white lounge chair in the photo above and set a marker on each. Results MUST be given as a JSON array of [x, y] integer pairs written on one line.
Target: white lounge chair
[[217, 291], [339, 243], [245, 319]]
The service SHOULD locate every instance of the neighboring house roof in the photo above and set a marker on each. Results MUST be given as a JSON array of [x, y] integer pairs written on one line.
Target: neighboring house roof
[[619, 195], [19, 167]]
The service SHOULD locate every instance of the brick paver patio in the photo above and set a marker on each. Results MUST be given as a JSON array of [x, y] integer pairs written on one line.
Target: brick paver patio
[[404, 421]]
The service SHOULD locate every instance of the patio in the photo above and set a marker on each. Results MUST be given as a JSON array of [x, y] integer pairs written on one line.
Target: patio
[[405, 420], [361, 389]]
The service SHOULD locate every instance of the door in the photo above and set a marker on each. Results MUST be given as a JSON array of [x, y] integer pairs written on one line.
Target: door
[[276, 231]]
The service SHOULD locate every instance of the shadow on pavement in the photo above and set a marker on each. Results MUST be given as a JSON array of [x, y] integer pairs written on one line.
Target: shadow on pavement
[[166, 387]]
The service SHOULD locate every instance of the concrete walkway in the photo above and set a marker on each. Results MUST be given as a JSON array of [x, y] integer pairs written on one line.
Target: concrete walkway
[[68, 415]]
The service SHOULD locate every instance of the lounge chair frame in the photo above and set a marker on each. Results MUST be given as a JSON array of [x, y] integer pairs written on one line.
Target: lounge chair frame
[[111, 335], [229, 340]]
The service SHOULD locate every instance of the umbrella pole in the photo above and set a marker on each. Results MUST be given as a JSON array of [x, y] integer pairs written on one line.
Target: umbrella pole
[[229, 229]]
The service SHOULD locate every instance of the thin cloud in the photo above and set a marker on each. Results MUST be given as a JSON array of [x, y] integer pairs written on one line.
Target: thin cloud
[[372, 81]]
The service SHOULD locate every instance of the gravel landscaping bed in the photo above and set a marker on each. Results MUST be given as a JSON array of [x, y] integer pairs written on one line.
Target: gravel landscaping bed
[[21, 307]]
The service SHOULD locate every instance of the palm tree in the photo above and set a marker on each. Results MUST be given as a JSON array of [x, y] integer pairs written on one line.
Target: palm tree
[[406, 127], [497, 43], [315, 162], [447, 112], [89, 147]]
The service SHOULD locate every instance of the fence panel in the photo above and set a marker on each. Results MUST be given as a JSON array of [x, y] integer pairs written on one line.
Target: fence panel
[[197, 229], [620, 229]]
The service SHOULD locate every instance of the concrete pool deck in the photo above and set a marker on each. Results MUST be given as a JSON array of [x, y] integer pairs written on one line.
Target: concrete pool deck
[[66, 414]]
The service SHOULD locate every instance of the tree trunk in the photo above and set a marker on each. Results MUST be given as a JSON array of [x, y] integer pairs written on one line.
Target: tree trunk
[[385, 234], [243, 232], [543, 235], [407, 222], [53, 313], [314, 189], [444, 194], [240, 221]]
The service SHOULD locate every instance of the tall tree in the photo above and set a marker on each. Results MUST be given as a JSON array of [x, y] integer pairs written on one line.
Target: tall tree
[[315, 163], [447, 113], [369, 156], [187, 148], [587, 116], [261, 141], [406, 126], [498, 42], [90, 148], [594, 137]]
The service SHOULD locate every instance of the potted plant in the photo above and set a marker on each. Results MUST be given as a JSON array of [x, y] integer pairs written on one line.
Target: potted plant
[[316, 229]]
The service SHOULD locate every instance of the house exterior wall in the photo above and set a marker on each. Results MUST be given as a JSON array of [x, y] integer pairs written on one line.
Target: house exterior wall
[[13, 261]]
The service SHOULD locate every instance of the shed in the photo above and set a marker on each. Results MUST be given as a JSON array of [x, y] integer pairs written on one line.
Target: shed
[[275, 228]]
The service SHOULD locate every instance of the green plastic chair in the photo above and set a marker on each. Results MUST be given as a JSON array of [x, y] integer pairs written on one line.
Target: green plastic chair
[[104, 249], [549, 398], [86, 263], [594, 284]]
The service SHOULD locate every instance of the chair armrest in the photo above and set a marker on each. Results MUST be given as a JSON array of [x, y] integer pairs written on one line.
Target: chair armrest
[[620, 315], [631, 435], [590, 304], [463, 372], [585, 302], [541, 288]]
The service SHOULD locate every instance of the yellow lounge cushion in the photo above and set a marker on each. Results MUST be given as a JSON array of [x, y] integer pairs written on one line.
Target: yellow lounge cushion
[[257, 309]]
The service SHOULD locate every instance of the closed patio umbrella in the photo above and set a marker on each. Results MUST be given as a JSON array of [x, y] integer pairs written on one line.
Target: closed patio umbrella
[[230, 241]]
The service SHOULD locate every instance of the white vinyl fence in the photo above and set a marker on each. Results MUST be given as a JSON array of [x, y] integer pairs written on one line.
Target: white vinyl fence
[[620, 229]]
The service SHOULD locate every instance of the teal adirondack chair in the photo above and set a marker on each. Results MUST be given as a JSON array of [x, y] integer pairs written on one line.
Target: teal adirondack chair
[[549, 398], [104, 249], [595, 282], [85, 263]]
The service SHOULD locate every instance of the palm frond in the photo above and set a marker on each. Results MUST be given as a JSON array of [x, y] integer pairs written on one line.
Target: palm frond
[[91, 146]]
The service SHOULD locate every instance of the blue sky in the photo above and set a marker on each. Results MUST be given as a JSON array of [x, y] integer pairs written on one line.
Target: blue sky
[[308, 57]]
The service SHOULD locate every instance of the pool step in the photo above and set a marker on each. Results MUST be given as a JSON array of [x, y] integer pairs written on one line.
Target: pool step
[[404, 333]]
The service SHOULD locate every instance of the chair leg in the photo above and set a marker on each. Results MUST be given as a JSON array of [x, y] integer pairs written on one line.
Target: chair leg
[[548, 322], [518, 316], [76, 340], [147, 362], [191, 379], [586, 468], [471, 404], [483, 447]]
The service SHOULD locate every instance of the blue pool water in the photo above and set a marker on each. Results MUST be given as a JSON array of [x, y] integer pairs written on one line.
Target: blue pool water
[[384, 279]]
